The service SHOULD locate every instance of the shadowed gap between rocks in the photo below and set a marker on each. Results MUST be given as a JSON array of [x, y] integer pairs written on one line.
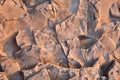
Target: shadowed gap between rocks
[[11, 46]]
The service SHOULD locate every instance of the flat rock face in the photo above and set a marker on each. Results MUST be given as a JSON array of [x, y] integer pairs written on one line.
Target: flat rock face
[[59, 40]]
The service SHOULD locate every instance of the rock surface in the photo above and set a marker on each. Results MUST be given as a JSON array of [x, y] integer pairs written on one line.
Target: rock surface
[[59, 40]]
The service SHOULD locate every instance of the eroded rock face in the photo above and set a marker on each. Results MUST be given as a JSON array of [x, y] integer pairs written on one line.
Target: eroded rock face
[[59, 39], [28, 57]]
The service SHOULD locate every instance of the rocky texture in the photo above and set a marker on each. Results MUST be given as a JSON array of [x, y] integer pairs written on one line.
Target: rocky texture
[[59, 40]]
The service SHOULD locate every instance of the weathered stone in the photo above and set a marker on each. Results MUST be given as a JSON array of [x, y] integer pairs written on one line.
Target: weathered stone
[[42, 75], [59, 39], [45, 38], [33, 71], [115, 12], [25, 38], [106, 41], [114, 73], [89, 73], [12, 69], [77, 55], [11, 10], [54, 55], [28, 57], [58, 73]]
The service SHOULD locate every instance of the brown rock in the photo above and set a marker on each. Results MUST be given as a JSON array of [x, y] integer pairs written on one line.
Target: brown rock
[[11, 10], [12, 69], [25, 38], [54, 55], [114, 73], [42, 75], [28, 57], [45, 38], [115, 10]]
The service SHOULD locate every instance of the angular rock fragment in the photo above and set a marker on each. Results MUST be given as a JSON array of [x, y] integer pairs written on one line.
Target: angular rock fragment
[[58, 73], [62, 9], [82, 17], [89, 73], [103, 7], [12, 69], [32, 3], [77, 55], [114, 73], [54, 55], [99, 33], [95, 53], [42, 75], [68, 26], [109, 44], [45, 38], [25, 38], [73, 63], [115, 12], [11, 10], [28, 57], [37, 20], [30, 72], [74, 43], [91, 18], [65, 48], [10, 46]]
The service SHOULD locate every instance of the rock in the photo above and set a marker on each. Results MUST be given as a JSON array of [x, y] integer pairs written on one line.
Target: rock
[[25, 38], [91, 18], [89, 73], [30, 72], [115, 12], [73, 63], [106, 41], [10, 47], [65, 48], [58, 73], [42, 75], [32, 3], [12, 10], [45, 38], [77, 55], [68, 26], [35, 22], [12, 69], [57, 55], [103, 9], [59, 39], [28, 57], [115, 71]]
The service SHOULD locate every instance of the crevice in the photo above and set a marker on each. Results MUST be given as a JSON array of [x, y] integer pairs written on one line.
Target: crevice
[[106, 68], [1, 70], [11, 46], [61, 47]]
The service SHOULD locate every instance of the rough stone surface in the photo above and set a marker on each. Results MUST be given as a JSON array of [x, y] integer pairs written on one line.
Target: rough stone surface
[[59, 40]]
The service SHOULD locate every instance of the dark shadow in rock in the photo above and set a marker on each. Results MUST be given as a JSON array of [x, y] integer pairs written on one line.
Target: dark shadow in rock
[[34, 3], [104, 69], [92, 62], [11, 46], [118, 44], [114, 11], [28, 57], [16, 76], [99, 33], [1, 70]]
